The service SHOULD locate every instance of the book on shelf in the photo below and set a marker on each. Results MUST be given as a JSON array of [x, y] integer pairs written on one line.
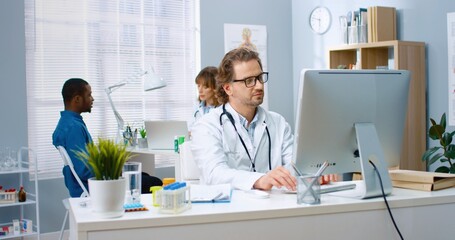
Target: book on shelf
[[420, 180], [382, 23]]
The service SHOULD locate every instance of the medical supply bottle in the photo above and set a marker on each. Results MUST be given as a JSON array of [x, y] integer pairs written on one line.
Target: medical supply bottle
[[176, 144], [22, 195]]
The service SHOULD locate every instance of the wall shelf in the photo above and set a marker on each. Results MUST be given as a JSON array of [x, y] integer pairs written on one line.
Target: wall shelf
[[399, 55]]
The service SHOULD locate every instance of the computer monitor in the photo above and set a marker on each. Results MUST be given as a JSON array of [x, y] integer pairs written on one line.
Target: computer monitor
[[348, 117]]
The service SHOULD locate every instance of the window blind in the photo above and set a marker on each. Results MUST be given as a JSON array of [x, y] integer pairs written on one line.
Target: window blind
[[105, 42]]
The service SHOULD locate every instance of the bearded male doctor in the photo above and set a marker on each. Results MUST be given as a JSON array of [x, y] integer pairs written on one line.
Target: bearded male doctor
[[240, 142]]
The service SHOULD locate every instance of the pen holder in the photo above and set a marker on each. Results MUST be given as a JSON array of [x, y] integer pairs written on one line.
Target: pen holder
[[308, 190], [174, 198]]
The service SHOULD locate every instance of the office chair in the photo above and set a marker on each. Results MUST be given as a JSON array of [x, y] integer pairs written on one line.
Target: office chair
[[67, 162], [186, 168]]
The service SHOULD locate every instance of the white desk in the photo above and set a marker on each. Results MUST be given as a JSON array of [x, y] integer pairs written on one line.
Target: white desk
[[419, 215], [147, 157]]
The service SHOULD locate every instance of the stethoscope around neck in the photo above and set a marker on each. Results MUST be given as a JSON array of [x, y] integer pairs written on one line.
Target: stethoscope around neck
[[231, 119]]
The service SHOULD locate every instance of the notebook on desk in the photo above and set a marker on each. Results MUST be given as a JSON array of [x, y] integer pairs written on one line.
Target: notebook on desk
[[217, 193], [160, 134]]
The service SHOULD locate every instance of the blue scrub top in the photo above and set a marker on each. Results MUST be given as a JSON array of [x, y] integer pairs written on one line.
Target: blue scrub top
[[202, 110]]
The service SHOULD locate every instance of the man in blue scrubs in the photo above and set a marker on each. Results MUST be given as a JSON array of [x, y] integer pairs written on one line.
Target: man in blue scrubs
[[71, 131]]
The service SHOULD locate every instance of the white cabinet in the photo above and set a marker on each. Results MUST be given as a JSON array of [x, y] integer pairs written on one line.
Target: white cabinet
[[15, 177]]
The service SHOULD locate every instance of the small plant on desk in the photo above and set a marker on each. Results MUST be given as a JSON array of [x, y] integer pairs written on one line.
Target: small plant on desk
[[143, 132], [438, 132], [105, 159], [107, 188], [142, 142]]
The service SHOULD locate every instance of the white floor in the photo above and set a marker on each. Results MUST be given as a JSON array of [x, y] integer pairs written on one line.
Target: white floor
[[46, 236]]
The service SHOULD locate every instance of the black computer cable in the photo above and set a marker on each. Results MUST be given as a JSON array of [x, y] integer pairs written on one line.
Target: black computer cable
[[385, 199]]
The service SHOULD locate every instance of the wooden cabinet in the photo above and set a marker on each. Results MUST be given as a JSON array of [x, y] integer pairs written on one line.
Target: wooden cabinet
[[400, 55]]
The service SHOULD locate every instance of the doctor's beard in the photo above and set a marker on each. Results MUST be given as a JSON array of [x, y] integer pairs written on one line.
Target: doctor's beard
[[257, 99]]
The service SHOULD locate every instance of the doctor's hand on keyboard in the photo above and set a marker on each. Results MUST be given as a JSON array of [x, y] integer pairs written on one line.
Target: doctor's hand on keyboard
[[278, 177], [326, 179]]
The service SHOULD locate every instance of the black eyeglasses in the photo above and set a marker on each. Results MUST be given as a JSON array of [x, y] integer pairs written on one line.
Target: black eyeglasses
[[251, 81]]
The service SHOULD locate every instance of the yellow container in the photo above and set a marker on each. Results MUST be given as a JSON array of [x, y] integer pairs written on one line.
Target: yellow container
[[155, 190], [167, 181]]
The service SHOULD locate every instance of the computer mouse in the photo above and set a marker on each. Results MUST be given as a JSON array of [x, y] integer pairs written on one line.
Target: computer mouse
[[257, 193]]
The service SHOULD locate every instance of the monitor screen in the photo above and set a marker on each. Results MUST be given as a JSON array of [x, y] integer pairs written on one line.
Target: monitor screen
[[339, 111]]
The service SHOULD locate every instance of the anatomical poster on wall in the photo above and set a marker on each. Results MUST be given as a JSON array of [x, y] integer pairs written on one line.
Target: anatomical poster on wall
[[252, 36], [451, 66]]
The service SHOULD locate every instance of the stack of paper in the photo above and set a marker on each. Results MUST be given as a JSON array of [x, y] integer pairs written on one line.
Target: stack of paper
[[419, 180]]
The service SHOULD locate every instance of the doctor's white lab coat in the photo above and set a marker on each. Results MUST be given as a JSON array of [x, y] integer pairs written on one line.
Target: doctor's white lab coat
[[221, 157]]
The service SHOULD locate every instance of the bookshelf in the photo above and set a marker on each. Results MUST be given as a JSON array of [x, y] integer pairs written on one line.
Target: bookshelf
[[399, 55]]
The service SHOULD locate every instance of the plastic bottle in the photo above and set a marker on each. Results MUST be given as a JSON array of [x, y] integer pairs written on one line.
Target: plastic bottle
[[176, 144], [22, 195]]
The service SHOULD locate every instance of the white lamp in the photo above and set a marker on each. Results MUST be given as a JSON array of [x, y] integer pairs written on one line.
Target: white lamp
[[151, 82]]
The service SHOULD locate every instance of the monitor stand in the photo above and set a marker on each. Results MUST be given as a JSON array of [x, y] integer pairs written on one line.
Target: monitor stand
[[370, 149]]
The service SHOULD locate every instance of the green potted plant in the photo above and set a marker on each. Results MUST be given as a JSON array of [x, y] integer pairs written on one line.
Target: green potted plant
[[438, 132], [142, 142], [107, 188]]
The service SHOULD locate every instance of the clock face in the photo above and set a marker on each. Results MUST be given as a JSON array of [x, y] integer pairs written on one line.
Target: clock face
[[320, 20]]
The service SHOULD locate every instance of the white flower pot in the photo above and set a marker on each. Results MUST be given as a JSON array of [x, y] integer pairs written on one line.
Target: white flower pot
[[107, 197], [142, 142]]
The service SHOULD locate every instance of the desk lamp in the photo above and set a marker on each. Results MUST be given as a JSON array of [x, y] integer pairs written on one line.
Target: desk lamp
[[151, 82]]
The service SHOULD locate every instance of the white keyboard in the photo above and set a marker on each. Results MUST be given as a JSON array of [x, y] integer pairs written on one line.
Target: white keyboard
[[333, 187], [336, 187]]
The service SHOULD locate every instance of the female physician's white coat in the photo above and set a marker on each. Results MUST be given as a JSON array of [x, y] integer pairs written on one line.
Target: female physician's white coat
[[200, 111], [221, 156]]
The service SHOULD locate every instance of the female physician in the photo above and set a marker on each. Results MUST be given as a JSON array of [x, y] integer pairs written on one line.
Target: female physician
[[206, 86]]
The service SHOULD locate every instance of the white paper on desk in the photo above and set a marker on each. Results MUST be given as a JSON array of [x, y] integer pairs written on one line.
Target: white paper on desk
[[210, 193]]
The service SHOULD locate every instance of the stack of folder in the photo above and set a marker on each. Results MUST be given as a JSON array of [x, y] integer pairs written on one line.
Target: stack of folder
[[381, 24], [419, 180]]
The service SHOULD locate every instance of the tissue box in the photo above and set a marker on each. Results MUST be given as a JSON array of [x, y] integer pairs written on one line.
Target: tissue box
[[26, 226], [16, 227]]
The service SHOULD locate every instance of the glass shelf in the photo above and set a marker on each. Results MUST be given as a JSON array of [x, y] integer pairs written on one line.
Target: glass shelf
[[21, 210], [17, 203], [11, 236], [14, 170]]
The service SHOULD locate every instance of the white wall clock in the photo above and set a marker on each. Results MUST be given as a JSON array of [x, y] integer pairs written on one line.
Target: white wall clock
[[320, 20]]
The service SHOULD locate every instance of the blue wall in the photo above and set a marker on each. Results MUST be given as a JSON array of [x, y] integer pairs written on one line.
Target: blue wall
[[276, 16], [418, 20], [13, 90]]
